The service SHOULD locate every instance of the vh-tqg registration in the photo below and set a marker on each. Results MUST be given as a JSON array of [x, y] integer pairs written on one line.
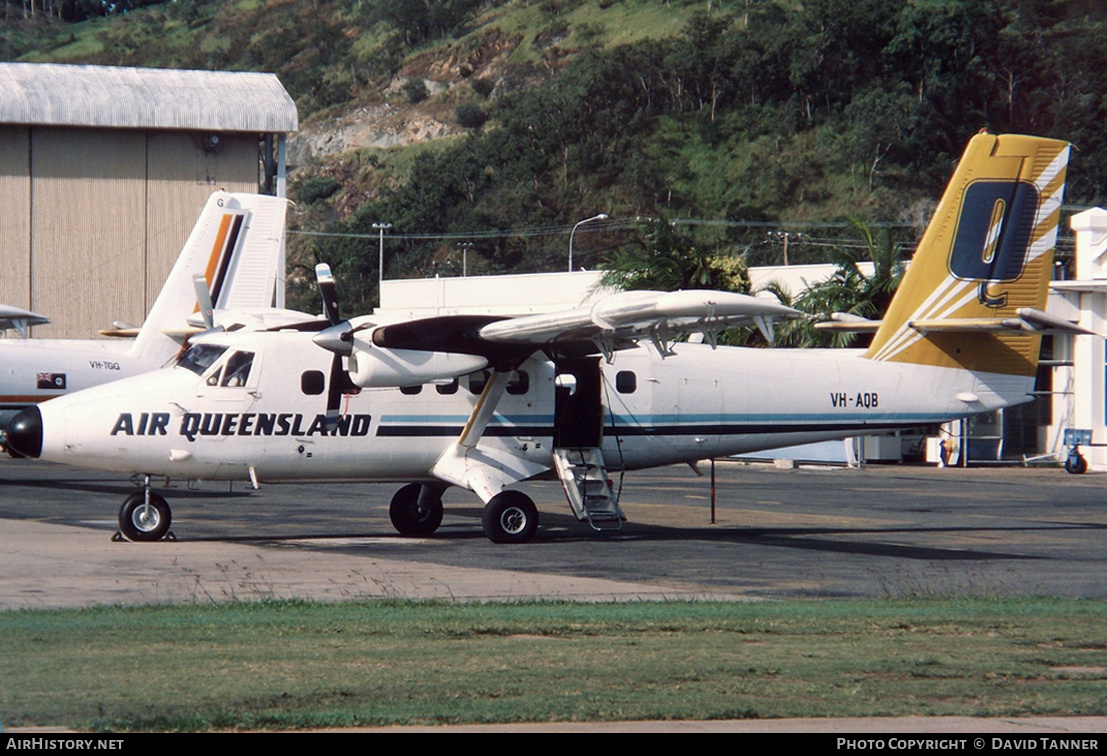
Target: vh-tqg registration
[[487, 403]]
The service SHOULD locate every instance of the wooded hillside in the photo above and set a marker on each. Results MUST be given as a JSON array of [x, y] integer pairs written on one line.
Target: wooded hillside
[[738, 118]]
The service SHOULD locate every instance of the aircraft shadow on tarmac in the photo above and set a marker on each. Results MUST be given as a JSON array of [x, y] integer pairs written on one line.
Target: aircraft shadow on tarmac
[[806, 538], [560, 528], [563, 529]]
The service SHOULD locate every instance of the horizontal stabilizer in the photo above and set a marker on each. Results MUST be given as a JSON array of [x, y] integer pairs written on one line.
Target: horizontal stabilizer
[[257, 319], [1029, 320], [848, 323], [120, 331]]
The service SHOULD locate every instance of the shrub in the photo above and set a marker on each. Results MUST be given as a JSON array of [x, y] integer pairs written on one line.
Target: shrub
[[416, 90], [315, 188], [470, 116]]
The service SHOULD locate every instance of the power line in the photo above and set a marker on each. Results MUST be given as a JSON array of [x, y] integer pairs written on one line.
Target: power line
[[608, 225]]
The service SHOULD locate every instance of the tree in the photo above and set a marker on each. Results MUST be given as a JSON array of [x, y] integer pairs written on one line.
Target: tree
[[664, 260], [848, 290]]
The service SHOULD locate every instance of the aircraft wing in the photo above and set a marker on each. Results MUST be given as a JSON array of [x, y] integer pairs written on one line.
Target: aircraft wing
[[445, 346], [625, 318]]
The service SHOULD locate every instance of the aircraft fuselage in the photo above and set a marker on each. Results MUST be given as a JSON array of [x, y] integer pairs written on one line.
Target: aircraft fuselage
[[197, 424]]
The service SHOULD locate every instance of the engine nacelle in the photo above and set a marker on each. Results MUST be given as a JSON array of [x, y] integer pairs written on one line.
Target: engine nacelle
[[371, 366]]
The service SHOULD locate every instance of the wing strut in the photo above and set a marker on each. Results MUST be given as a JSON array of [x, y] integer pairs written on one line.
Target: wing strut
[[484, 471]]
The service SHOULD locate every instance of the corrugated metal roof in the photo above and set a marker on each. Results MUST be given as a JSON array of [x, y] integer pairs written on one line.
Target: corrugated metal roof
[[138, 98]]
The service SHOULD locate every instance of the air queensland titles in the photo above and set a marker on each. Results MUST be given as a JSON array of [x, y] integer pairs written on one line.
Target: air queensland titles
[[195, 424]]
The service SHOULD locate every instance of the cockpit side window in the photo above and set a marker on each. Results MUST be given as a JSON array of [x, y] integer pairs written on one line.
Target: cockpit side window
[[237, 370], [199, 357]]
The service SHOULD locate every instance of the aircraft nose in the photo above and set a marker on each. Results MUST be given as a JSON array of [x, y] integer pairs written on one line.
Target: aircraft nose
[[24, 433]]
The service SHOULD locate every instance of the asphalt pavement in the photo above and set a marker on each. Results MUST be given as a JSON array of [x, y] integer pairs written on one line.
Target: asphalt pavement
[[759, 533], [818, 532]]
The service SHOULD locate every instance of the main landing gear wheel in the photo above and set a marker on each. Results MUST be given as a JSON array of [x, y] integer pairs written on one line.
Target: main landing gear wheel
[[411, 519], [139, 522], [510, 517]]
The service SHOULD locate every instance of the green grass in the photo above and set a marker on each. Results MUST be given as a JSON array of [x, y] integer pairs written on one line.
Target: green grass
[[301, 665]]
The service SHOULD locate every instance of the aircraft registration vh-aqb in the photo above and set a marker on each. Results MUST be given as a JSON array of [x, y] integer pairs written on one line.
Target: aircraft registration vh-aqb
[[486, 403]]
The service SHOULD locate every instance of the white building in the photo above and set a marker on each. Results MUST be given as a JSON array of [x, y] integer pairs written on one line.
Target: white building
[[1078, 379]]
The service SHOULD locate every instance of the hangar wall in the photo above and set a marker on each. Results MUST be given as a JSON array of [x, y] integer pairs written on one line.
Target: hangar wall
[[15, 217], [92, 220]]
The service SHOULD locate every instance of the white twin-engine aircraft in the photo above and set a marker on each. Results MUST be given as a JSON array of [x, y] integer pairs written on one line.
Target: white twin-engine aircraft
[[235, 247], [485, 403]]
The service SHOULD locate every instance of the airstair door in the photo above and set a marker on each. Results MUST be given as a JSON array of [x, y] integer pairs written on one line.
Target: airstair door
[[578, 404]]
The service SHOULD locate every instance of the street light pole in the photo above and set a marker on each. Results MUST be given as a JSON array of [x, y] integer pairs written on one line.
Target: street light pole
[[601, 216], [464, 247], [380, 260]]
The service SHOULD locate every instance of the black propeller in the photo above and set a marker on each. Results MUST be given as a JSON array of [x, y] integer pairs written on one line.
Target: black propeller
[[338, 338], [328, 291]]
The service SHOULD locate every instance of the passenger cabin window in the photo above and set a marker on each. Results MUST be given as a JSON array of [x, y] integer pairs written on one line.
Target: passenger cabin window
[[312, 382], [199, 357], [410, 390], [626, 382], [477, 381], [519, 383], [447, 388]]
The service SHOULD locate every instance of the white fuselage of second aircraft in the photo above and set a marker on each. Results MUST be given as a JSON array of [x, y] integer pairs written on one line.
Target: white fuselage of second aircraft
[[256, 408], [34, 370]]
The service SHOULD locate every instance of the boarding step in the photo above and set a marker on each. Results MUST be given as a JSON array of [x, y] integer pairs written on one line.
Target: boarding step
[[587, 487]]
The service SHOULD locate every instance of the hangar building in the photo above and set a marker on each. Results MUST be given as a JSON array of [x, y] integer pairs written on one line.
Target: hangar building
[[104, 170]]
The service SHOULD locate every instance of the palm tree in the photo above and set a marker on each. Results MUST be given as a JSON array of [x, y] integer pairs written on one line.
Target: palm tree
[[849, 290], [664, 260]]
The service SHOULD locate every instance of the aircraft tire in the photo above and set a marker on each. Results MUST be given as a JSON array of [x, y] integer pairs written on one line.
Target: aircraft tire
[[510, 517], [1075, 464], [138, 525], [406, 516]]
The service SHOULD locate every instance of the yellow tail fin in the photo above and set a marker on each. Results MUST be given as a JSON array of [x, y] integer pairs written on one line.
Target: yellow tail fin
[[987, 252]]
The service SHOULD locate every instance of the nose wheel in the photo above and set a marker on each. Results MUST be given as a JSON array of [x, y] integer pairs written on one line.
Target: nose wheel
[[144, 516]]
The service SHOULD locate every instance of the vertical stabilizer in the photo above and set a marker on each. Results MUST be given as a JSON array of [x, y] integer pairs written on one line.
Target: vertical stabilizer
[[236, 246], [987, 253]]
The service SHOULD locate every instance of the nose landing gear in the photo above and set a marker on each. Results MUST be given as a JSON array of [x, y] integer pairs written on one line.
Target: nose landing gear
[[145, 516]]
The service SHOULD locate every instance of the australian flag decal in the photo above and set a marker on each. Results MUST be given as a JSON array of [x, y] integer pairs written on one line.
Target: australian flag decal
[[50, 380]]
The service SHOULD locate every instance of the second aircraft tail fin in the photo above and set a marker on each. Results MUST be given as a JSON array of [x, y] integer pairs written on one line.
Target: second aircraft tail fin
[[236, 246]]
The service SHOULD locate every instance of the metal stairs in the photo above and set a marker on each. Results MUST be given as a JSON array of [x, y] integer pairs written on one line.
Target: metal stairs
[[587, 487]]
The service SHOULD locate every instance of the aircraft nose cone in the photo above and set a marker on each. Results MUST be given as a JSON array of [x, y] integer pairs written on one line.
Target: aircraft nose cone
[[24, 432]]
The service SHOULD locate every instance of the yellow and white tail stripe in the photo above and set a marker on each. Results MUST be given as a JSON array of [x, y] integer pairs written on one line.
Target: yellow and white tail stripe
[[987, 252]]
